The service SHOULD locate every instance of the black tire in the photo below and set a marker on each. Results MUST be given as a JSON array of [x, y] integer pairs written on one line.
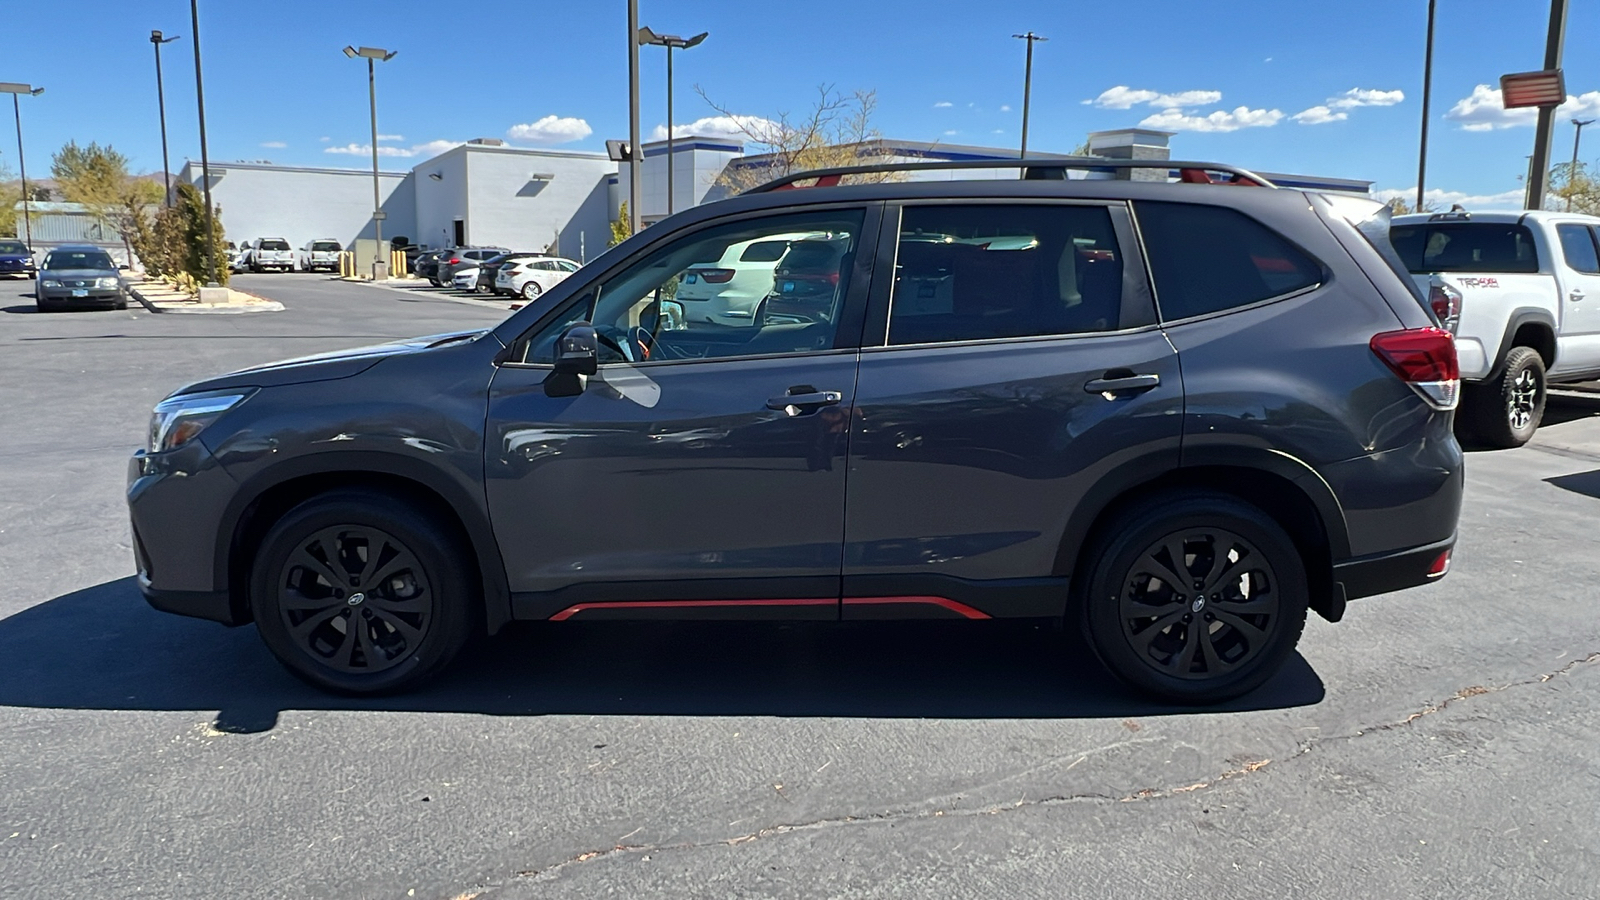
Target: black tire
[[1505, 411], [417, 609], [1169, 642], [120, 304]]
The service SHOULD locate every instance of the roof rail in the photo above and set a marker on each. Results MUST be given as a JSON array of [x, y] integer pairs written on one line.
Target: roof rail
[[1032, 168]]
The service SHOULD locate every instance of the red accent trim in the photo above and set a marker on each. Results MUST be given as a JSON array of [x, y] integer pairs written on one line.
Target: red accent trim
[[945, 602], [576, 608], [1440, 565]]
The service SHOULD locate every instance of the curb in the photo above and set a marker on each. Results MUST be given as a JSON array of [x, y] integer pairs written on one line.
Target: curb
[[232, 310]]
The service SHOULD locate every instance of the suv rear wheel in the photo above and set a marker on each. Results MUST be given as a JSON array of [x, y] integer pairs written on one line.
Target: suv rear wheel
[[1505, 411], [1195, 597], [359, 592]]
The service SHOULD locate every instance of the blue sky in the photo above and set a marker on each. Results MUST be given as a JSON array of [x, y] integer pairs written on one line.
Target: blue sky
[[1327, 89]]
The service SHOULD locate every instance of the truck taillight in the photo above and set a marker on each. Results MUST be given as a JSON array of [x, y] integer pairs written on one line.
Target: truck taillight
[[1425, 359], [714, 276], [1446, 303]]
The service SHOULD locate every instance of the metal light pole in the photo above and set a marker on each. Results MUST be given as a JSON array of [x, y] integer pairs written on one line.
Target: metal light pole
[[380, 266], [634, 190], [1539, 175], [671, 42], [1572, 173], [1427, 95], [205, 162], [16, 90], [157, 40], [1027, 86]]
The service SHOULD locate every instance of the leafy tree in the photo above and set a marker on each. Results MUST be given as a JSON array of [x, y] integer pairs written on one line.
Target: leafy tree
[[622, 228], [1576, 184], [97, 178], [836, 131]]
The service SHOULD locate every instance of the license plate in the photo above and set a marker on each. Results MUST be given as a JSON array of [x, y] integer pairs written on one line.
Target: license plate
[[79, 292], [691, 279]]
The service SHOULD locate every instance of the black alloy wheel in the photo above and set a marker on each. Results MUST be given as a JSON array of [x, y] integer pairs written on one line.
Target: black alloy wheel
[[1195, 598], [359, 592]]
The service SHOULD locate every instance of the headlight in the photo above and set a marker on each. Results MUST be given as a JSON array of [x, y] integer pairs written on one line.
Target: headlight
[[51, 282], [105, 283], [177, 420]]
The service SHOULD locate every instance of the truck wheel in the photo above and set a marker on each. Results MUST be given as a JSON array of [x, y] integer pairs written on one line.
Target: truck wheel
[[1505, 411]]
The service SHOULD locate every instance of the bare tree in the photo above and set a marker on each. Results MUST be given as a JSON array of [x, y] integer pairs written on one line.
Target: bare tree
[[836, 131]]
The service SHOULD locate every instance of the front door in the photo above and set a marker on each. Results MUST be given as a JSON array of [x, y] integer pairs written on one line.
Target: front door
[[1020, 370], [1578, 274], [701, 470]]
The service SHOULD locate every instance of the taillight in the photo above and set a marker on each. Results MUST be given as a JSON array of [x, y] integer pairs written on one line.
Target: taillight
[[1446, 303], [1424, 358], [714, 276], [1441, 565], [453, 260]]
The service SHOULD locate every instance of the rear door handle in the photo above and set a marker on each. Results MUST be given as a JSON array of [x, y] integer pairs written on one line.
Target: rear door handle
[[1120, 383], [795, 404]]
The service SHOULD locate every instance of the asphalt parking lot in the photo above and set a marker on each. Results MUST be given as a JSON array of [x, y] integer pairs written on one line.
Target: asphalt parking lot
[[1440, 742]]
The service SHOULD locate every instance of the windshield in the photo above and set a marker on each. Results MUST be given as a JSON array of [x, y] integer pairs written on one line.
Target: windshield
[[12, 247], [78, 259], [329, 246], [1495, 247]]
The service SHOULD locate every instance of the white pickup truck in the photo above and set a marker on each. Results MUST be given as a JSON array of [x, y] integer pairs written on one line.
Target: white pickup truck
[[1521, 291]]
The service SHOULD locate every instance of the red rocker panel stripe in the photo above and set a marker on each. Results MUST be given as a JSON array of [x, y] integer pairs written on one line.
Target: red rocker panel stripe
[[945, 602]]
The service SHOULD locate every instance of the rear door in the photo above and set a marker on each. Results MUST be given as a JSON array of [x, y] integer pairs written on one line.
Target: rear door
[[1018, 366]]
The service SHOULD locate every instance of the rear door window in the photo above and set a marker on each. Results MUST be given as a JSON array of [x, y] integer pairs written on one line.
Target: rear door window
[[968, 273], [1577, 245], [1493, 247], [1208, 259]]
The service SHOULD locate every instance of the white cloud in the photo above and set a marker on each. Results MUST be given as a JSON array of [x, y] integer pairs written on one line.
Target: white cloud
[[324, 139], [1220, 120], [274, 145], [1319, 115], [739, 128], [1124, 97], [999, 131], [1482, 110], [943, 104], [390, 137], [1005, 107], [1443, 199], [551, 130], [431, 148], [1366, 97]]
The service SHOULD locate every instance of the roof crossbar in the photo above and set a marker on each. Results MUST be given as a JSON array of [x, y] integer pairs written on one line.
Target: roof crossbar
[[1032, 168]]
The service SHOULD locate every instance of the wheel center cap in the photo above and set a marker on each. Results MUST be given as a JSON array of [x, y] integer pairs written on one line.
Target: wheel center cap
[[357, 598], [1198, 604]]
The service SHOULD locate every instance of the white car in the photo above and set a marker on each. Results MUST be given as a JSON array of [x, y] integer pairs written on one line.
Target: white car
[[528, 278], [322, 253], [271, 253], [727, 291], [465, 279]]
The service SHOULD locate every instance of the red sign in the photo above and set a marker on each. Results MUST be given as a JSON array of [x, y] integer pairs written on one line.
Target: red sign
[[1546, 88]]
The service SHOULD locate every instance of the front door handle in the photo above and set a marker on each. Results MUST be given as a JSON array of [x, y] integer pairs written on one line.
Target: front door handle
[[1115, 383], [1575, 295], [795, 404]]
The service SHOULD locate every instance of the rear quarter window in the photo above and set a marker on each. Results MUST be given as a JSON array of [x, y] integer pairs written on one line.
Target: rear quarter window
[[1207, 259], [764, 251]]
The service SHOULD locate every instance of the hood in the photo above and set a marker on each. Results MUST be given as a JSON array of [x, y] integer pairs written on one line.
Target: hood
[[328, 366]]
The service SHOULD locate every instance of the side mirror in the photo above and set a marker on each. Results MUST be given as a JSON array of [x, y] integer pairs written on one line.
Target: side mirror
[[577, 357], [672, 316], [123, 267]]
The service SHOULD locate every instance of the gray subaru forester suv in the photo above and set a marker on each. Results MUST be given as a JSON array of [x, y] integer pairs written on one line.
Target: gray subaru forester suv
[[1175, 416]]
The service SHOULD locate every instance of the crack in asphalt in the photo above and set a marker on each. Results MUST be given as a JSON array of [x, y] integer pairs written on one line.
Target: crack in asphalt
[[1248, 768]]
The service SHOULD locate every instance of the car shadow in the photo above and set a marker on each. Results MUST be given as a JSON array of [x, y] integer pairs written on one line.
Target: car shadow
[[103, 648], [1569, 407], [1586, 483]]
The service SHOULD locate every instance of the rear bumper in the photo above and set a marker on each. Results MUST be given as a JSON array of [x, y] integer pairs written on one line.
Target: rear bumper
[[1383, 573]]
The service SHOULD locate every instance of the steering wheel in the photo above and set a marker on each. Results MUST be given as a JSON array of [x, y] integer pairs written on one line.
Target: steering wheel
[[625, 344]]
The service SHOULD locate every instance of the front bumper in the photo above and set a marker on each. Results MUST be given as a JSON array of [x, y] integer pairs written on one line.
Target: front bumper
[[88, 295], [177, 502]]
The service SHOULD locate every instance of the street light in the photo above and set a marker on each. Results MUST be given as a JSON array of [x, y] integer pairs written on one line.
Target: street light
[[634, 191], [671, 42], [205, 161], [16, 90], [1027, 86], [1572, 173], [380, 266], [1427, 95], [161, 104]]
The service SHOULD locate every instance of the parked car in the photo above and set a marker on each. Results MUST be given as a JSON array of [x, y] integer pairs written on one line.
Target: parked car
[[268, 254], [412, 252], [79, 275], [806, 281], [489, 272], [321, 254], [16, 259], [528, 278], [1172, 415], [728, 290], [1521, 292], [466, 278], [239, 260], [427, 264], [459, 257]]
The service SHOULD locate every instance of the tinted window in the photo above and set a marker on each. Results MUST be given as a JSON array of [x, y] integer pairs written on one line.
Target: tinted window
[[1206, 259], [326, 246], [565, 266], [12, 247], [78, 259], [274, 245], [764, 251], [1577, 245], [975, 272], [1465, 247], [661, 308]]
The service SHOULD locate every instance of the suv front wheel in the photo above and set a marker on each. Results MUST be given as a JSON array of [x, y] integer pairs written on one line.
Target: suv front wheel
[[359, 592], [1195, 597]]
